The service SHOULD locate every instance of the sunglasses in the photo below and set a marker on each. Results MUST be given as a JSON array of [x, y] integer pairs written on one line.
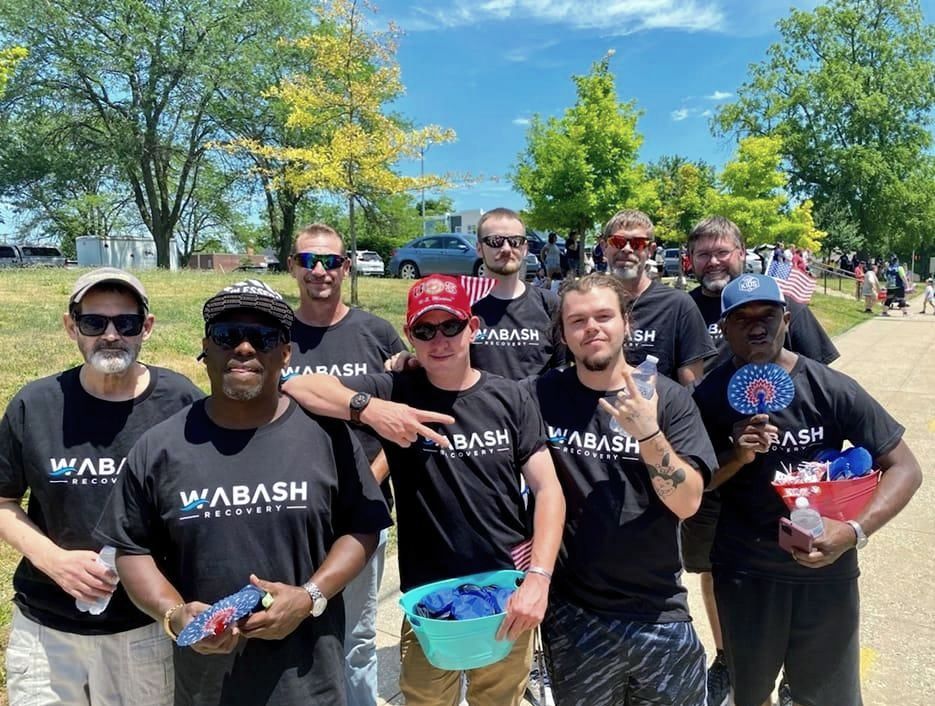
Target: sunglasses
[[96, 324], [308, 260], [496, 241], [621, 241], [262, 338], [449, 329]]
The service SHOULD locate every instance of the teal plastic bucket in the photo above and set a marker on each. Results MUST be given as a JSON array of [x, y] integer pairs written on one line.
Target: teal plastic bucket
[[460, 644]]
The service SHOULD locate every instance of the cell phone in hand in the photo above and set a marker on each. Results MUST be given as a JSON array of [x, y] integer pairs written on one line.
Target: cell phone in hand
[[793, 538]]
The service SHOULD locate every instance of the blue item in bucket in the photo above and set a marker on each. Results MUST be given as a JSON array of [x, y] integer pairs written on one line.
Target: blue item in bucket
[[460, 644], [853, 463], [464, 602]]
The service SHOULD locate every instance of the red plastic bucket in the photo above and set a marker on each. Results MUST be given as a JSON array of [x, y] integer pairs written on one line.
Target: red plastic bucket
[[837, 499]]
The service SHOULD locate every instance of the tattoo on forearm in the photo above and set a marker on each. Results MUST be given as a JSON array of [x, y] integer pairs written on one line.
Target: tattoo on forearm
[[665, 477]]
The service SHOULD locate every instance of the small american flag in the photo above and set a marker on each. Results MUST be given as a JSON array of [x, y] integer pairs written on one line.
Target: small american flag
[[793, 283], [522, 555], [477, 287]]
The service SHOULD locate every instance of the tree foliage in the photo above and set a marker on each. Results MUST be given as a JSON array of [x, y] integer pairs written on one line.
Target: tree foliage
[[751, 195], [579, 169], [849, 89], [9, 58], [682, 190], [342, 97], [136, 82]]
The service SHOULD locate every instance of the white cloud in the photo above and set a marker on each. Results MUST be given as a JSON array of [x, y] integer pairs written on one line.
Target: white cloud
[[616, 17], [680, 114], [521, 121], [707, 113], [719, 95]]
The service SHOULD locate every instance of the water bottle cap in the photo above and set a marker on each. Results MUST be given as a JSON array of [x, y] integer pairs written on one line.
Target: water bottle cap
[[652, 359], [108, 554], [801, 502]]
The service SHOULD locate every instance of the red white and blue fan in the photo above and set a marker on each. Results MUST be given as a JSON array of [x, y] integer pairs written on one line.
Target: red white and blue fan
[[218, 617], [759, 389]]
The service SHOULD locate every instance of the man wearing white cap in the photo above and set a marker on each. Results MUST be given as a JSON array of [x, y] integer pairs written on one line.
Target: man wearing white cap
[[65, 438]]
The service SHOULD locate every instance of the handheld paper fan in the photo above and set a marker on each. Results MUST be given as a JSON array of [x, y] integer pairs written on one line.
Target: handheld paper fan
[[228, 610], [758, 389]]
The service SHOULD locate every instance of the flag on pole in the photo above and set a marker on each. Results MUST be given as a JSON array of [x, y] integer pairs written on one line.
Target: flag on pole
[[793, 283]]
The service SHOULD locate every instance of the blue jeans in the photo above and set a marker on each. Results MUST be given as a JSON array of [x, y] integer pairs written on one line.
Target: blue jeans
[[360, 636]]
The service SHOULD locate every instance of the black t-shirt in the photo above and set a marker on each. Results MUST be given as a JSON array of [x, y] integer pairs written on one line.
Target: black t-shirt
[[358, 344], [516, 338], [664, 322], [213, 505], [460, 510], [828, 409], [805, 335], [620, 553], [68, 448]]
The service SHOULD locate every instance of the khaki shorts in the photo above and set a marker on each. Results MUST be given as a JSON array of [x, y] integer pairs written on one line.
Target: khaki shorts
[[46, 667]]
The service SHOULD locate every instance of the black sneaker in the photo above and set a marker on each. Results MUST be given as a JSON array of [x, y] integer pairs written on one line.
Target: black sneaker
[[718, 682]]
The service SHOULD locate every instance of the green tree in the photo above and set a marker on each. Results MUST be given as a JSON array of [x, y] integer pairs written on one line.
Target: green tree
[[752, 195], [9, 58], [579, 169], [682, 188], [850, 90], [343, 95], [136, 82]]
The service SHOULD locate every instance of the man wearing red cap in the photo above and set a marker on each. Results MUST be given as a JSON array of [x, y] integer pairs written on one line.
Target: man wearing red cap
[[460, 487]]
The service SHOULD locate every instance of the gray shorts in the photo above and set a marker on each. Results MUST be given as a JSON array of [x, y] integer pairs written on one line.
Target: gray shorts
[[46, 667]]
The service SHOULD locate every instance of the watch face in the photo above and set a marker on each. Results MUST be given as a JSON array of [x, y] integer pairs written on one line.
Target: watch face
[[318, 606], [359, 401]]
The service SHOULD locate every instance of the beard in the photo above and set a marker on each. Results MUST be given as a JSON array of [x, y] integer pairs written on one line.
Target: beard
[[503, 267], [628, 271], [715, 283], [241, 393], [113, 360], [597, 363]]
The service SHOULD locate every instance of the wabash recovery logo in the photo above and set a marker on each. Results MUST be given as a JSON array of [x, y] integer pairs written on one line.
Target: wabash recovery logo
[[507, 337], [243, 500], [474, 444], [640, 337], [592, 445], [85, 471], [336, 369], [797, 439]]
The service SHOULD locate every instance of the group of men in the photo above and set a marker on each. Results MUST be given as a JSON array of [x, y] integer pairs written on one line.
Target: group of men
[[515, 437]]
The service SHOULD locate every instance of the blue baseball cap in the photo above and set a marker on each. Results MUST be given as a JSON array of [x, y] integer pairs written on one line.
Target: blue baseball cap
[[750, 288]]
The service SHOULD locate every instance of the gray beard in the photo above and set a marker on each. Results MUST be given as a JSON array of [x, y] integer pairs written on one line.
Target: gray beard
[[627, 272], [112, 361], [242, 394]]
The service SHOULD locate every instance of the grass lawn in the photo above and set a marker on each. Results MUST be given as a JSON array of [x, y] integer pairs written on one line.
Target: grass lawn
[[33, 343]]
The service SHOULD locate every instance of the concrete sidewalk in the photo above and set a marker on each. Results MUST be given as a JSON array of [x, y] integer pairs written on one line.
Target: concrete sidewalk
[[893, 359]]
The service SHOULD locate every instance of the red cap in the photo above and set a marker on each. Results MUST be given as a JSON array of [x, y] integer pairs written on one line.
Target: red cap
[[438, 292]]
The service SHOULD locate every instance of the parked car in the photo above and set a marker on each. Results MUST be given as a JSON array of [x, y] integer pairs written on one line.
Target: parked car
[[671, 258], [369, 263], [31, 256], [753, 263], [10, 256], [441, 253]]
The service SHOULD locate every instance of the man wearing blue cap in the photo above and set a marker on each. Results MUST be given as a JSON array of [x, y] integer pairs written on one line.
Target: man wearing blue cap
[[779, 610]]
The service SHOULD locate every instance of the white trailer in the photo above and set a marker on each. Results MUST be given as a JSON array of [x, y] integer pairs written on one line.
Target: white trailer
[[126, 253]]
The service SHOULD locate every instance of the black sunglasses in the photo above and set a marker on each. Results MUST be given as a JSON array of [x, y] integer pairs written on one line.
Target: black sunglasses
[[497, 241], [308, 260], [230, 335], [96, 324], [449, 328]]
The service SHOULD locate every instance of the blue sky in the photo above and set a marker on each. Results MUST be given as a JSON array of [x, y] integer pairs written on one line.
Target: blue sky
[[484, 67]]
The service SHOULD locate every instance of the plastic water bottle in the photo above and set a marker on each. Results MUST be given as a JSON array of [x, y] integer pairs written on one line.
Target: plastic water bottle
[[644, 375], [106, 558], [807, 518]]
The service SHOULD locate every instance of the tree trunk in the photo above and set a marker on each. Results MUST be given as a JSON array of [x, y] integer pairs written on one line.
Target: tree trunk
[[353, 238], [287, 207]]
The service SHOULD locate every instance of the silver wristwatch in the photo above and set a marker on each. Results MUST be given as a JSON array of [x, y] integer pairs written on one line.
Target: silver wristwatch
[[319, 602], [859, 531]]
